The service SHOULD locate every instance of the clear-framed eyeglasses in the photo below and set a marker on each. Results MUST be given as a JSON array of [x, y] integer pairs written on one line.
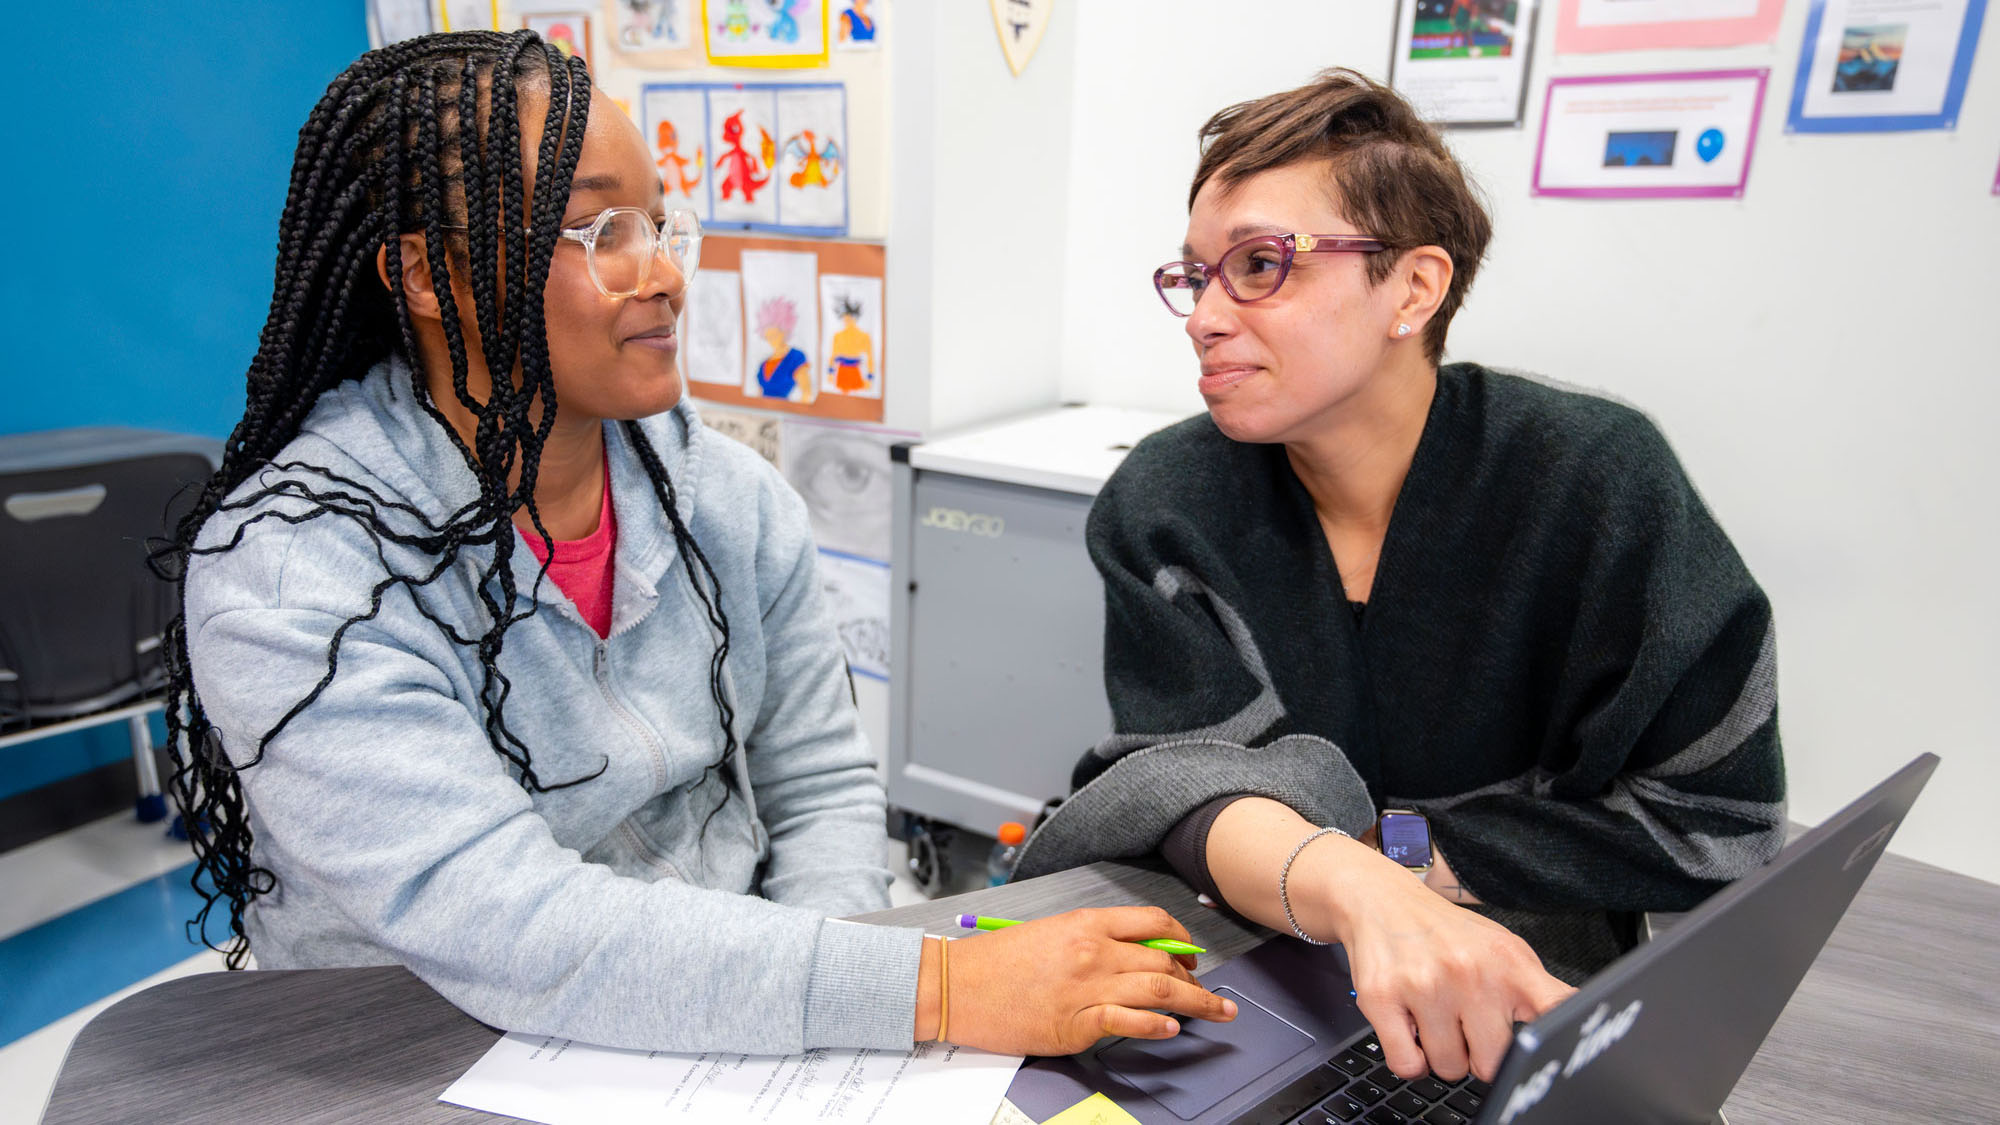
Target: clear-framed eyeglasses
[[621, 245], [1252, 270]]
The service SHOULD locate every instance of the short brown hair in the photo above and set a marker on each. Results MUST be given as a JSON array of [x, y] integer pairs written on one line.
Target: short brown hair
[[1396, 180]]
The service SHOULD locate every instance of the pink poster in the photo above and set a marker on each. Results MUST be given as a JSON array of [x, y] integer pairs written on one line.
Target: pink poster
[[1586, 26]]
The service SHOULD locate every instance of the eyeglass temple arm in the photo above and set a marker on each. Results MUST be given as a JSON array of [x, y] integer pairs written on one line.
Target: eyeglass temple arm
[[1307, 243]]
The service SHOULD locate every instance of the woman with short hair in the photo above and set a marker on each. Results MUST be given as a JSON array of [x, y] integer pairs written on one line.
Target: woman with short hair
[[1363, 583]]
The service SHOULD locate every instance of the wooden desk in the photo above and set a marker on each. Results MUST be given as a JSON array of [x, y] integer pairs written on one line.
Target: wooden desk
[[1898, 1020]]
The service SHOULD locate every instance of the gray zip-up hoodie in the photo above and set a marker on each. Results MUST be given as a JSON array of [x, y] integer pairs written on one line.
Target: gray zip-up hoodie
[[615, 911]]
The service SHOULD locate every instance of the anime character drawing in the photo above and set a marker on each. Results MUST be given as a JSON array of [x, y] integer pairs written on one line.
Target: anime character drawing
[[562, 35], [735, 23], [784, 26], [673, 166], [818, 165], [856, 25], [778, 374], [651, 22], [740, 166], [852, 363]]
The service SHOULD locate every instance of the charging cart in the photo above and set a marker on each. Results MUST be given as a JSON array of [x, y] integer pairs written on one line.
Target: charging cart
[[997, 621]]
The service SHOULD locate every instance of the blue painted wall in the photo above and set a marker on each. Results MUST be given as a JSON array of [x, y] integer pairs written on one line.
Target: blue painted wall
[[170, 128], [148, 148]]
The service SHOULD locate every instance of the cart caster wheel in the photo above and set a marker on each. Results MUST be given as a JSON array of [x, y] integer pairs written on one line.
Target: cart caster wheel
[[930, 855]]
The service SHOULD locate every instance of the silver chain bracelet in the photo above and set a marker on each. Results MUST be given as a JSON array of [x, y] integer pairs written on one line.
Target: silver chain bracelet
[[1285, 873]]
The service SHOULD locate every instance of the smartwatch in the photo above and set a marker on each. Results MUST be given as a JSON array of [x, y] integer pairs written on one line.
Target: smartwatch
[[1404, 835]]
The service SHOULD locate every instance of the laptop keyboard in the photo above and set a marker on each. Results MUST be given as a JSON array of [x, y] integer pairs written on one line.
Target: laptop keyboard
[[1356, 1086]]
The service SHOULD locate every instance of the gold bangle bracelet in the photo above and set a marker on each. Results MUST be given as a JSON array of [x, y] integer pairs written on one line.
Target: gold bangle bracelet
[[944, 988]]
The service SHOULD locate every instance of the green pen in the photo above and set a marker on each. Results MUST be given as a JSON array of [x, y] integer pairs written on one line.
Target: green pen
[[1163, 944]]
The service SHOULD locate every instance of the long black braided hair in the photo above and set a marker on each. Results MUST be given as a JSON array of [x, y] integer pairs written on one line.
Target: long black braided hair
[[423, 136]]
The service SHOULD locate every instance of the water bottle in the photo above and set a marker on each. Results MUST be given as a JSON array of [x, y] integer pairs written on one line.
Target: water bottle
[[1006, 850]]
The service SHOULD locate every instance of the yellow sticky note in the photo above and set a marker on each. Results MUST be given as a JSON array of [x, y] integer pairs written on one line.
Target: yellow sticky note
[[1093, 1110]]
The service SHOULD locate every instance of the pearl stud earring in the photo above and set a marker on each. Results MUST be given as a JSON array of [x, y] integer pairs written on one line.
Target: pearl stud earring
[[1402, 330]]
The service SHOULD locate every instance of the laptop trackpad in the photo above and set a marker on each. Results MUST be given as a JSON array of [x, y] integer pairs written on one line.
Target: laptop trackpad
[[1206, 1062]]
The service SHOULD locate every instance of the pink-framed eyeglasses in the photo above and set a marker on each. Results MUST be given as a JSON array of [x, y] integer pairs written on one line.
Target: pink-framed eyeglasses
[[1251, 270]]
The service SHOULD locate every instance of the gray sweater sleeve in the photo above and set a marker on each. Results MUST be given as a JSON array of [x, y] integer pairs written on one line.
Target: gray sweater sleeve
[[819, 796], [810, 766], [398, 827]]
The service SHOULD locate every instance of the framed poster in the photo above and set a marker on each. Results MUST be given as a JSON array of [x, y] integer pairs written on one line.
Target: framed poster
[[1584, 26], [1464, 63], [765, 33], [653, 33], [1880, 66], [1650, 136]]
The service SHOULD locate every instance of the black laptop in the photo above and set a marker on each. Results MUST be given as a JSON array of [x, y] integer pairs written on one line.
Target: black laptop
[[1660, 1035]]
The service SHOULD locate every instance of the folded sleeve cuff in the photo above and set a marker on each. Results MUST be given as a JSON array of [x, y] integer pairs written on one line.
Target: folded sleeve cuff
[[1130, 807], [1186, 845], [862, 991]]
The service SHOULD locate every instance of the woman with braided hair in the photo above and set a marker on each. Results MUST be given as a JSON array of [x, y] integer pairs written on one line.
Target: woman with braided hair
[[494, 663]]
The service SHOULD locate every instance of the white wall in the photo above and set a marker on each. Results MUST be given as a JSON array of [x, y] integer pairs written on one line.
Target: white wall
[[1821, 354], [980, 192]]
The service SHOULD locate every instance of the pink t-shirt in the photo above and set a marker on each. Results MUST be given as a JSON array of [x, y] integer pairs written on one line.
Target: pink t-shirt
[[582, 567]]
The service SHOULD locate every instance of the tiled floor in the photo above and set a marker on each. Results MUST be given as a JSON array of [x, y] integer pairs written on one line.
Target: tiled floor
[[94, 915]]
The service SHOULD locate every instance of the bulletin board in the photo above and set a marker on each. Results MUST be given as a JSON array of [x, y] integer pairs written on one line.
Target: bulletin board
[[839, 388]]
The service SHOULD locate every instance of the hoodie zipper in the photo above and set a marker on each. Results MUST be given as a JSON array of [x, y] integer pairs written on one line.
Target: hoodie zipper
[[600, 669]]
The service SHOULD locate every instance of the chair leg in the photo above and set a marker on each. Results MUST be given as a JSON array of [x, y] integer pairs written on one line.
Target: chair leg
[[151, 805]]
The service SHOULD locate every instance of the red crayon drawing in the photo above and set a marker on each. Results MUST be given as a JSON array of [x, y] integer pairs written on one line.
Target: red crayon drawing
[[740, 167]]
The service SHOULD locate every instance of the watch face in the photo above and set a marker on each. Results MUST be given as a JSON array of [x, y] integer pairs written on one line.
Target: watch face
[[1406, 838]]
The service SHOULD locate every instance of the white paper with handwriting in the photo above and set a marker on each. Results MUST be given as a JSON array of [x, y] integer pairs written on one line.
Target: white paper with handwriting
[[557, 1081]]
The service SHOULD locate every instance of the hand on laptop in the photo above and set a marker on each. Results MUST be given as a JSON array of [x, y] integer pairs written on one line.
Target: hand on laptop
[[1442, 986], [1056, 985]]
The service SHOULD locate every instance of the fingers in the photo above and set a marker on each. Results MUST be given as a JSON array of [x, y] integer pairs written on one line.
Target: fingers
[[1136, 1022], [1486, 1038], [1488, 1031], [1129, 958], [1096, 1022], [1138, 923], [1160, 990], [1152, 922], [1056, 985], [1541, 995], [1396, 1032], [1441, 1039]]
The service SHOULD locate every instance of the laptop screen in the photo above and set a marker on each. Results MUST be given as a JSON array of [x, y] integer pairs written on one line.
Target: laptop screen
[[1664, 1033]]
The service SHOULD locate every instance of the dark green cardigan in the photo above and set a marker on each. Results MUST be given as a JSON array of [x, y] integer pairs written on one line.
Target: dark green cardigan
[[1563, 660]]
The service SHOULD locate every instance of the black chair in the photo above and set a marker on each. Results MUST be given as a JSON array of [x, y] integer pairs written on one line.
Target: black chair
[[81, 613]]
